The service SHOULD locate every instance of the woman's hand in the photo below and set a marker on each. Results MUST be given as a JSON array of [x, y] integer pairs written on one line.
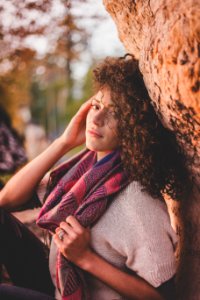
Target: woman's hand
[[74, 134], [74, 244]]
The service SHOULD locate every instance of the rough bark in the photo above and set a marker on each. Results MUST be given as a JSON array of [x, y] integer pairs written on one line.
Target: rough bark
[[165, 36]]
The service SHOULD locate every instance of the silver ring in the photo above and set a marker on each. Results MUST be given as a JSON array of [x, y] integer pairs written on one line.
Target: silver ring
[[61, 234]]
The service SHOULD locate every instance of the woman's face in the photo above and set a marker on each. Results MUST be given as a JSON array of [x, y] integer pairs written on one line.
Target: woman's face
[[101, 124]]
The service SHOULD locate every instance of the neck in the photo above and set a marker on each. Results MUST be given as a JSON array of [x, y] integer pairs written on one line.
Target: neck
[[101, 155]]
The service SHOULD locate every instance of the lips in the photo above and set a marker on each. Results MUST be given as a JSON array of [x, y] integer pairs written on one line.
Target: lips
[[95, 133]]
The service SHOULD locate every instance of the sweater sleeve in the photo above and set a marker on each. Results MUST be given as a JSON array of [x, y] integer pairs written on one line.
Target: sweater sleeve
[[151, 244]]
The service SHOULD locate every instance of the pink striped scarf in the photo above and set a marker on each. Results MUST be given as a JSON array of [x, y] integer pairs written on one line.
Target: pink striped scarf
[[83, 188]]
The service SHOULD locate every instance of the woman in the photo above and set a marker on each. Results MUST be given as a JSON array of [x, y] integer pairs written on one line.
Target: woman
[[112, 239]]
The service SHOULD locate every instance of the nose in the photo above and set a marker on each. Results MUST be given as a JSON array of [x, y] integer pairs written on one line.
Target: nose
[[99, 117]]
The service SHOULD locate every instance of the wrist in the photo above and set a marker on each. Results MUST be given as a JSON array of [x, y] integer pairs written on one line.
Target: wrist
[[87, 261], [63, 145]]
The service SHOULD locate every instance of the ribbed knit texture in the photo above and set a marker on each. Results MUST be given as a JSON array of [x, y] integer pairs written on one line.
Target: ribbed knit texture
[[82, 187], [134, 234]]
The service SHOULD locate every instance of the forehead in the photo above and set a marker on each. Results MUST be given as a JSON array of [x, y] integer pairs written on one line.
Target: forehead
[[104, 97]]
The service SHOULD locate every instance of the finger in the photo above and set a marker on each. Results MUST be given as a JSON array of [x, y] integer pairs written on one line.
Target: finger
[[74, 223], [87, 103], [85, 106], [60, 233], [68, 229], [83, 110], [58, 229], [58, 242]]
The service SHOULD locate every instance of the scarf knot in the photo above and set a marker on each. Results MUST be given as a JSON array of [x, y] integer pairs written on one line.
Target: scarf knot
[[83, 188]]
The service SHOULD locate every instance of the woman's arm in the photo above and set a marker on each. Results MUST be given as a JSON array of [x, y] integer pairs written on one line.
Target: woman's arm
[[75, 247], [130, 286], [20, 187]]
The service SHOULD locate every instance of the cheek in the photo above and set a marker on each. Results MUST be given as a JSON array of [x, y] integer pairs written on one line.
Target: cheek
[[113, 129], [115, 139], [112, 135]]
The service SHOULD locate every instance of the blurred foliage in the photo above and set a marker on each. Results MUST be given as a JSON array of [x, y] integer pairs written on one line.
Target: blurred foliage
[[87, 92], [44, 84], [16, 59], [15, 86], [49, 102], [70, 46], [88, 84]]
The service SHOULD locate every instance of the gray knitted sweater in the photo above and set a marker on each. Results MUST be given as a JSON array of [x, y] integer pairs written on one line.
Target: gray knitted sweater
[[135, 235]]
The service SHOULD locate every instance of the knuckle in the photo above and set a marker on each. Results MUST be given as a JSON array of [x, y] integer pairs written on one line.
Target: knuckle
[[62, 248], [75, 235], [70, 241], [80, 232], [69, 218], [74, 239]]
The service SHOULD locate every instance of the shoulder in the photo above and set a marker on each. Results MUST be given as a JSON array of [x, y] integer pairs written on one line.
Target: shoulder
[[136, 200], [140, 211], [150, 239]]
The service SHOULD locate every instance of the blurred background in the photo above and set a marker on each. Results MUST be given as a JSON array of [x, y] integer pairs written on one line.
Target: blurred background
[[47, 50]]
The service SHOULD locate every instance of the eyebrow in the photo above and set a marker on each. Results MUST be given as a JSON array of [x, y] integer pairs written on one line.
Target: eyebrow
[[109, 105]]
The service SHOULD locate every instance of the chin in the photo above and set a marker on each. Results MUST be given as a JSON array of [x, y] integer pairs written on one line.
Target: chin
[[93, 147]]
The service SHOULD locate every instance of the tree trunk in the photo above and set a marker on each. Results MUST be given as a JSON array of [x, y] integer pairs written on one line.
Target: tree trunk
[[165, 36]]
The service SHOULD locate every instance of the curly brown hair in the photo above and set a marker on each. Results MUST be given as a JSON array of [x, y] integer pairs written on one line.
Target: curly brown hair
[[149, 151]]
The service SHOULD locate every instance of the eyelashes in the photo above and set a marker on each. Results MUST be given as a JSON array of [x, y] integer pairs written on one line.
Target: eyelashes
[[95, 106]]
